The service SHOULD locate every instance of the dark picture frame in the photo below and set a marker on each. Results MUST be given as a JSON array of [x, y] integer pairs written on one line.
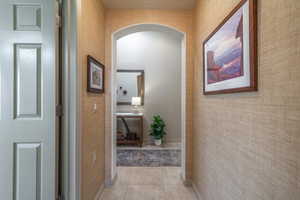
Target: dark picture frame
[[210, 85], [95, 75]]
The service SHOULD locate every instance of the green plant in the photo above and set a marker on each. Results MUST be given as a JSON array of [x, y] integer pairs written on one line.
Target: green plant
[[158, 127]]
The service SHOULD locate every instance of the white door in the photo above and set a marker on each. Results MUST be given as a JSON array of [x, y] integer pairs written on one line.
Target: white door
[[27, 100]]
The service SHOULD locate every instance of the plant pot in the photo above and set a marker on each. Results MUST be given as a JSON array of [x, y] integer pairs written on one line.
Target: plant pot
[[157, 142]]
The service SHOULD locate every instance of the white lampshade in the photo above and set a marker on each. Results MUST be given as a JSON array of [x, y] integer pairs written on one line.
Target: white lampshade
[[136, 101]]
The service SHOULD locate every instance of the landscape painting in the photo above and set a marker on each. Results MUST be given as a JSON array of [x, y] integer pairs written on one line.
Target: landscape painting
[[225, 52]]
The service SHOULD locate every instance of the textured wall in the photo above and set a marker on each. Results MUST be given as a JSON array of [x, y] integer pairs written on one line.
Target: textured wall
[[179, 19], [247, 146], [91, 42]]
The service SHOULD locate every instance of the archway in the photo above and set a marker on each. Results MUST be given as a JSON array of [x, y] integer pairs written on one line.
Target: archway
[[111, 171]]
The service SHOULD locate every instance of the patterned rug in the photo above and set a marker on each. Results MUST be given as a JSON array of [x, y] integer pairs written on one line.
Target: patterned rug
[[148, 157]]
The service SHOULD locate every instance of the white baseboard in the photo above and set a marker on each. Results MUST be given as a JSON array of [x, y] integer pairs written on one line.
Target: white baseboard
[[110, 183], [99, 193], [196, 191], [114, 180], [186, 182]]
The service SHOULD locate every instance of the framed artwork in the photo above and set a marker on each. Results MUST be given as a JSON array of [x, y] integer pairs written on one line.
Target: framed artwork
[[230, 53], [95, 76]]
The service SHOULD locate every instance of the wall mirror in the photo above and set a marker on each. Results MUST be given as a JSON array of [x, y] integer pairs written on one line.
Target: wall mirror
[[130, 83]]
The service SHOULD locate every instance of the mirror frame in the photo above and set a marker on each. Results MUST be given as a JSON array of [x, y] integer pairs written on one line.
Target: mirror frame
[[143, 89]]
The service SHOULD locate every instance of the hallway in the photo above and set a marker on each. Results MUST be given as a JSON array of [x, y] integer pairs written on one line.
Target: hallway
[[150, 100], [148, 183]]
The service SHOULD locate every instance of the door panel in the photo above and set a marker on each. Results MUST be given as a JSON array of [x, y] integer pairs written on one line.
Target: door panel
[[27, 99], [27, 17], [27, 163], [27, 81]]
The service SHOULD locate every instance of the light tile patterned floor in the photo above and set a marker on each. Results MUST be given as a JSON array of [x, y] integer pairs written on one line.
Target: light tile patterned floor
[[148, 183]]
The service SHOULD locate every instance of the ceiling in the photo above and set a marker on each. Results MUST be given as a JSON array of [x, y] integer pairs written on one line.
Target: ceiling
[[150, 4]]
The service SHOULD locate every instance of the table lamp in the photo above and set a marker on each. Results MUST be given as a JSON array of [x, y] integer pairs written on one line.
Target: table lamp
[[136, 102]]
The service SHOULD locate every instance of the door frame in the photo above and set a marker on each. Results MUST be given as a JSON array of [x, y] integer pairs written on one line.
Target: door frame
[[110, 165], [71, 82]]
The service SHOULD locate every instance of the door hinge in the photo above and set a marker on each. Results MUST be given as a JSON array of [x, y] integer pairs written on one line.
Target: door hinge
[[59, 111], [58, 21], [58, 13], [60, 197]]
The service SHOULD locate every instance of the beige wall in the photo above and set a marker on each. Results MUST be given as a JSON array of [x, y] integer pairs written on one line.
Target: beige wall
[[179, 19], [247, 146], [91, 42]]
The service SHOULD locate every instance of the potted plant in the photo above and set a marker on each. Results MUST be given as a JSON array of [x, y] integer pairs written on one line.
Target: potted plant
[[158, 129]]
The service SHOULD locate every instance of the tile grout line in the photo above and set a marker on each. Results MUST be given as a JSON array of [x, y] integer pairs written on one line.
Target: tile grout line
[[164, 180], [125, 193]]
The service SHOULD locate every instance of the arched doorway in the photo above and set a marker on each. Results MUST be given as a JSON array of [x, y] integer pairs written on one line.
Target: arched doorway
[[111, 154]]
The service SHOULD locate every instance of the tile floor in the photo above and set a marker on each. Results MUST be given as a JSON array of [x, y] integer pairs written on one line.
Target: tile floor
[[148, 183]]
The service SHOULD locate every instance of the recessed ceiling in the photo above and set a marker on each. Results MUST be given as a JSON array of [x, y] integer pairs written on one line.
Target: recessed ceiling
[[150, 4]]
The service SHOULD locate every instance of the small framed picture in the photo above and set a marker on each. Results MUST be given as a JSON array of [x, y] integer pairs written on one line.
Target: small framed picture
[[95, 76], [230, 53]]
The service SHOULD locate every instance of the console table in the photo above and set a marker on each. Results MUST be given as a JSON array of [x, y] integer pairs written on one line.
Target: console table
[[131, 138]]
